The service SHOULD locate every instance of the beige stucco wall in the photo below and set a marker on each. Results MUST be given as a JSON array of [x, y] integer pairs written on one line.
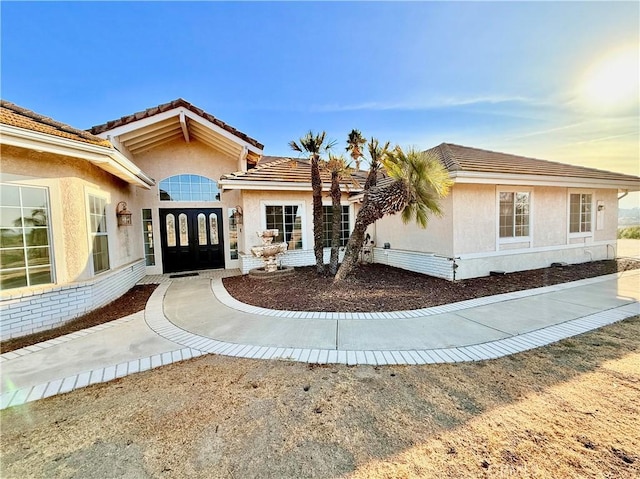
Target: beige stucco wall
[[69, 180], [609, 216], [437, 237], [549, 216], [176, 158], [254, 201], [474, 218]]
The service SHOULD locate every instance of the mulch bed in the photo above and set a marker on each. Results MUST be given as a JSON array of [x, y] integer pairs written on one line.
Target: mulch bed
[[376, 287], [131, 302]]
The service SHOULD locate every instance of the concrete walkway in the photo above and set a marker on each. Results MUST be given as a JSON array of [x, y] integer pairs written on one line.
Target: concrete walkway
[[189, 317]]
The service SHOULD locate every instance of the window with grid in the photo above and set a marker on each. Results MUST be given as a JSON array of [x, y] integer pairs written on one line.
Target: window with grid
[[514, 214], [189, 188], [580, 212], [327, 223], [233, 233], [99, 235], [25, 246], [288, 221], [147, 236]]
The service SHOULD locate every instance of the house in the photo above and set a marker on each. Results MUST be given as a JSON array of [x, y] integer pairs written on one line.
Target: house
[[84, 215], [509, 213]]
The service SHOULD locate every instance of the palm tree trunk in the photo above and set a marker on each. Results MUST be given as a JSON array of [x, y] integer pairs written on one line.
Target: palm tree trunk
[[318, 240], [336, 221], [377, 203]]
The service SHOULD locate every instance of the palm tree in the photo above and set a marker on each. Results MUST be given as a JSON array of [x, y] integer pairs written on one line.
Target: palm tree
[[338, 169], [416, 182], [314, 145], [355, 142]]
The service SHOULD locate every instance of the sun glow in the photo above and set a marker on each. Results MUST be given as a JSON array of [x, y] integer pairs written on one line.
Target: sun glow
[[611, 83]]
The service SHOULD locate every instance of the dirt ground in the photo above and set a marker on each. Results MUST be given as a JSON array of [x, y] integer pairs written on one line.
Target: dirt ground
[[377, 287], [567, 410]]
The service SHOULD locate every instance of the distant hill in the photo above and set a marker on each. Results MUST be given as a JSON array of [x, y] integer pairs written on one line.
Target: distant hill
[[628, 216]]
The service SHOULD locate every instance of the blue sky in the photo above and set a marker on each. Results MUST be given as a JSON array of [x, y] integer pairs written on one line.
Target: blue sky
[[554, 80]]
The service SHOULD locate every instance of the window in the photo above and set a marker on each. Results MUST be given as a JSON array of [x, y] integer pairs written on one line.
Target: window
[[327, 220], [147, 237], [25, 248], [287, 220], [99, 235], [580, 213], [514, 214], [184, 229], [213, 229], [233, 233], [171, 229], [189, 188]]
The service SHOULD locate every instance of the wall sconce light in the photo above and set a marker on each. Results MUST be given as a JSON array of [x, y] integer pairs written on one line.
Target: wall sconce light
[[600, 207], [237, 215], [123, 214]]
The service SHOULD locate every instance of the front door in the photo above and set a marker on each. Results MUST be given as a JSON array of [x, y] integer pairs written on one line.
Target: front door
[[191, 239]]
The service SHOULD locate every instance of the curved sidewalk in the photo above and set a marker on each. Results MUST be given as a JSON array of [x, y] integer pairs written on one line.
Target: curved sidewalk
[[478, 329], [189, 317]]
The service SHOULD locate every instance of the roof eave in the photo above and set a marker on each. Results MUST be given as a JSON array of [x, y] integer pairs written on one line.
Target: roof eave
[[106, 158], [475, 177], [235, 184], [174, 112]]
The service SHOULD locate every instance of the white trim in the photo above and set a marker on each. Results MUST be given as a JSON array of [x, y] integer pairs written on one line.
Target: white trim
[[104, 157], [514, 239], [303, 216], [542, 180], [88, 191], [227, 184], [540, 249], [580, 234], [183, 126], [177, 112]]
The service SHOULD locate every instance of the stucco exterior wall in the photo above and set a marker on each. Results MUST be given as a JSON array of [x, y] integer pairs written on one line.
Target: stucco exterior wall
[[176, 158], [69, 180], [469, 232], [606, 221], [437, 237], [253, 204], [549, 216], [474, 218]]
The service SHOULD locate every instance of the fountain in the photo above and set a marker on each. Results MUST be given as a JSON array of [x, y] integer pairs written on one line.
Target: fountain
[[269, 252]]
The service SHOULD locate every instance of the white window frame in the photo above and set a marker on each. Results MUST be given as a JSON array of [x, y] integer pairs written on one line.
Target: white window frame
[[50, 245], [351, 218], [581, 234], [514, 239], [109, 225], [303, 216]]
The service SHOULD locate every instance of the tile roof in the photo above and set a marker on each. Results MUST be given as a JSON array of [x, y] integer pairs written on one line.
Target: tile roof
[[288, 170], [14, 115], [466, 159], [96, 130]]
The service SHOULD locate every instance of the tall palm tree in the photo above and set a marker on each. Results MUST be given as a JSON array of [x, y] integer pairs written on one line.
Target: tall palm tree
[[338, 169], [355, 142], [416, 182], [314, 145]]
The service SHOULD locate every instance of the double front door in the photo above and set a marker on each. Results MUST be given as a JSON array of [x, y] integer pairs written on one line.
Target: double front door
[[191, 239]]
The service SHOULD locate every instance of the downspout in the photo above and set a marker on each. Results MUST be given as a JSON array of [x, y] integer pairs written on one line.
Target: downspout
[[626, 192]]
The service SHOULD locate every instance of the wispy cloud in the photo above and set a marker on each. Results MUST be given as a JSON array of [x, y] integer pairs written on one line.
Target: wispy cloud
[[430, 104]]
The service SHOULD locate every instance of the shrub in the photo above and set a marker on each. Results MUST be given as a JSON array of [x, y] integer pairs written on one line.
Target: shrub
[[630, 232]]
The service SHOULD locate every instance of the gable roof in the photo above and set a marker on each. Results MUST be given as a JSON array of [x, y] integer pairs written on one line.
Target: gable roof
[[275, 172], [29, 130], [177, 119], [14, 115], [464, 162]]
